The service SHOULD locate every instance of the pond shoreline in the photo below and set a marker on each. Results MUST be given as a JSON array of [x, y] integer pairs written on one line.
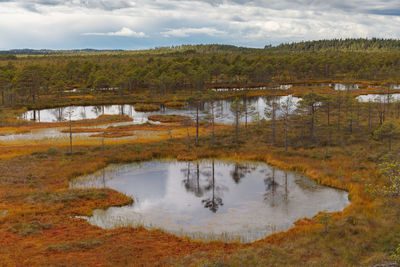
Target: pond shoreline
[[266, 159]]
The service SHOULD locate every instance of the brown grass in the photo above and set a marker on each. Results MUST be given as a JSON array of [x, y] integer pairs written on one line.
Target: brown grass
[[169, 118], [175, 104], [147, 107], [40, 227], [34, 189]]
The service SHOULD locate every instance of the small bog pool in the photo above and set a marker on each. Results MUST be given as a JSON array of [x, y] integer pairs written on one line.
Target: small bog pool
[[211, 199]]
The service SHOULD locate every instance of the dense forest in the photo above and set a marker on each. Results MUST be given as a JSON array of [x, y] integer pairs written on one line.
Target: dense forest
[[164, 70], [351, 44]]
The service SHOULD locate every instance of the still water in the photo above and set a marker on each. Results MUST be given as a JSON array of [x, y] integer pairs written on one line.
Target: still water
[[222, 109], [381, 98], [335, 86], [211, 199]]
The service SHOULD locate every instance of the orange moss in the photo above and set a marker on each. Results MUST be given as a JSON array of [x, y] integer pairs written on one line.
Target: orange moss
[[112, 134], [69, 239], [175, 104], [147, 107], [169, 118], [80, 96], [28, 125]]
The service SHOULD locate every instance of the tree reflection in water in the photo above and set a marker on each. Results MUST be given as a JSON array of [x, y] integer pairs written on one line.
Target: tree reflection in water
[[192, 184], [83, 113], [215, 201], [274, 192], [192, 181], [59, 114], [239, 172], [98, 110]]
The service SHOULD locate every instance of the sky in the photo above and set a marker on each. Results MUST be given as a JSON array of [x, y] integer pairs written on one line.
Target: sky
[[141, 24]]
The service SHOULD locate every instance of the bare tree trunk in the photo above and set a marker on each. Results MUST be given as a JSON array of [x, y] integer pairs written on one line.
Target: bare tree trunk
[[102, 143], [329, 113], [388, 104], [197, 123], [213, 124], [351, 120], [273, 123], [237, 127], [188, 139], [286, 135], [338, 120], [70, 134], [369, 115], [398, 110], [312, 123], [245, 114]]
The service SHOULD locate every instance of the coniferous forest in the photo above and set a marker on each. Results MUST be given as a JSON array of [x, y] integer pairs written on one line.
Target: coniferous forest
[[201, 155]]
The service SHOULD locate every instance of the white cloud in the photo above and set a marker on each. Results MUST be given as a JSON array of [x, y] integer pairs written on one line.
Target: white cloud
[[60, 23], [125, 32], [186, 32]]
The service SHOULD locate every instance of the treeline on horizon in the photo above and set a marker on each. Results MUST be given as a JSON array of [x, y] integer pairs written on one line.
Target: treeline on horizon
[[23, 78], [349, 44]]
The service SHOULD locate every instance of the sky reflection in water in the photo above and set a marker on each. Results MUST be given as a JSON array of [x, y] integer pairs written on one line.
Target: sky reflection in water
[[209, 198]]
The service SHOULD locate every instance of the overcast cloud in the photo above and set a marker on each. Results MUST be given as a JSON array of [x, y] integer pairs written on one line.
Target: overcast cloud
[[135, 24]]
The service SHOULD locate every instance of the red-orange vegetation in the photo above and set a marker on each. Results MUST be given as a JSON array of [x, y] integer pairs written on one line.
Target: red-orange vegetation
[[169, 118], [41, 228]]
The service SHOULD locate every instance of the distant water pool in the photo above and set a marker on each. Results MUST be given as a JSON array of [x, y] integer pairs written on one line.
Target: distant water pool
[[222, 109]]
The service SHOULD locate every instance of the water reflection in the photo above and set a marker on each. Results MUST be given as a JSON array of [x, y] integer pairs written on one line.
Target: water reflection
[[222, 108], [240, 171], [80, 113], [345, 87], [381, 98], [208, 199], [192, 180], [335, 86], [215, 200]]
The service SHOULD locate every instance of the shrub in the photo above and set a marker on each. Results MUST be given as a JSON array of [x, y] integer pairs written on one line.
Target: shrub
[[391, 170]]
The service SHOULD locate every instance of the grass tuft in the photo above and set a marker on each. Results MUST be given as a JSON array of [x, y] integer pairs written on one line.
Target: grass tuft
[[77, 246], [25, 229]]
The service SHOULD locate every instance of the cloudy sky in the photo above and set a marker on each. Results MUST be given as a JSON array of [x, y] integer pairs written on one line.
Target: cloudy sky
[[137, 24]]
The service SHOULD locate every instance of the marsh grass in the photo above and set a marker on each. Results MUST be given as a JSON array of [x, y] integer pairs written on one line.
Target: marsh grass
[[32, 228], [147, 107], [73, 195], [169, 118], [175, 104], [365, 233], [75, 246], [139, 223]]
